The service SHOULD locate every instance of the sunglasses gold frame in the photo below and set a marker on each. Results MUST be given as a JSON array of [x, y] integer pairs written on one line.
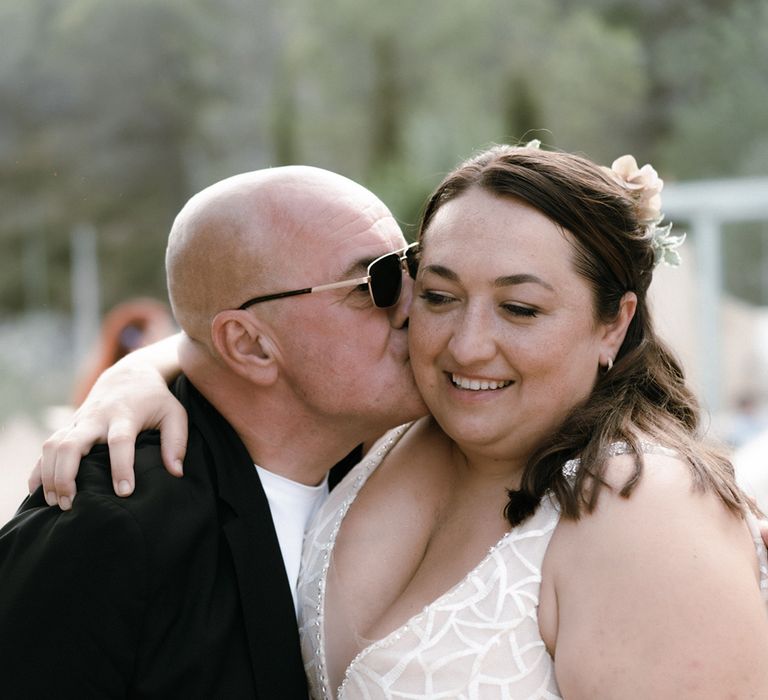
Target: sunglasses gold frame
[[406, 257]]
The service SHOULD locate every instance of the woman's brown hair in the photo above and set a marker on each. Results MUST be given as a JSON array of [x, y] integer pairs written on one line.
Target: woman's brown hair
[[645, 393]]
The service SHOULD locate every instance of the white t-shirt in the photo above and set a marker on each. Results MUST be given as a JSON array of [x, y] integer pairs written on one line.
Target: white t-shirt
[[292, 506]]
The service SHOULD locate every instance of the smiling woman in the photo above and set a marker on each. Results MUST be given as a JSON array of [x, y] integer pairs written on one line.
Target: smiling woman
[[452, 562], [499, 300]]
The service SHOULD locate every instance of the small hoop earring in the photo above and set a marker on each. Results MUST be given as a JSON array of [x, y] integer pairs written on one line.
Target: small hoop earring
[[609, 364]]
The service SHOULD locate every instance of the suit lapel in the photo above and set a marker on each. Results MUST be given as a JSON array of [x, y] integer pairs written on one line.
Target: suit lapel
[[270, 619], [265, 595], [341, 469]]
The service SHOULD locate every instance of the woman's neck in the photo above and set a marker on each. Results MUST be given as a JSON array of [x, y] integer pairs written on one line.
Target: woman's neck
[[474, 466]]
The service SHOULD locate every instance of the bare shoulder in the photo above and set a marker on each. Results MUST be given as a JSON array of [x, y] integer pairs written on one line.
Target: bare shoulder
[[665, 519], [636, 580], [665, 496], [663, 469]]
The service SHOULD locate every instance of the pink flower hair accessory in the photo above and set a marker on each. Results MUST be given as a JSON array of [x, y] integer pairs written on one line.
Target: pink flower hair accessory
[[645, 186]]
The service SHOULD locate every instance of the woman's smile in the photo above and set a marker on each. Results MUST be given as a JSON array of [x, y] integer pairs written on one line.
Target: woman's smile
[[478, 384]]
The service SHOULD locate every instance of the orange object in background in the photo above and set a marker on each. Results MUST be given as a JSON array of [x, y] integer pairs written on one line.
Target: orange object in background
[[127, 326]]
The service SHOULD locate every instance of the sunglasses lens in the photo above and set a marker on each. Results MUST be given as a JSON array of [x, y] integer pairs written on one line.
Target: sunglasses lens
[[386, 280], [412, 260]]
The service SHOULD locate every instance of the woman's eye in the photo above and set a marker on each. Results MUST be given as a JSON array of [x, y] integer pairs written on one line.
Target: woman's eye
[[435, 298], [520, 311]]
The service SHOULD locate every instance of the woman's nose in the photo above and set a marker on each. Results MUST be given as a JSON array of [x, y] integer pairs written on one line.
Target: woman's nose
[[472, 338]]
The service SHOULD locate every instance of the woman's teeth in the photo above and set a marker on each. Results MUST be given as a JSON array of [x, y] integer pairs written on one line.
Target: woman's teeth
[[478, 384]]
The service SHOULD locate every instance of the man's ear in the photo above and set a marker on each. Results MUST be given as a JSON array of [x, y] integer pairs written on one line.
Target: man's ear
[[616, 330], [244, 344]]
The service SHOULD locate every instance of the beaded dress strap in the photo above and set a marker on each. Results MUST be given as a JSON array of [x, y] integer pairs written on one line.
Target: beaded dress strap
[[571, 467]]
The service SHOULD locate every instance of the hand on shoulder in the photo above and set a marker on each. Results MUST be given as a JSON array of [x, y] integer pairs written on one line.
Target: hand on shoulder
[[127, 398]]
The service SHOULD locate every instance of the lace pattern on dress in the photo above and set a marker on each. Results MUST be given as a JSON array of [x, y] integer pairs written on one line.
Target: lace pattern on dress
[[480, 639]]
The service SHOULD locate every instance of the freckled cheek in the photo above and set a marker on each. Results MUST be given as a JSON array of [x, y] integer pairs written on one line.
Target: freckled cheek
[[423, 366], [426, 335], [542, 363], [424, 348], [525, 352], [564, 375]]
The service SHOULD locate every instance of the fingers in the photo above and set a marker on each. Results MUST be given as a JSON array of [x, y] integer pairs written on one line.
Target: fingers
[[173, 438], [60, 461], [121, 439], [35, 477]]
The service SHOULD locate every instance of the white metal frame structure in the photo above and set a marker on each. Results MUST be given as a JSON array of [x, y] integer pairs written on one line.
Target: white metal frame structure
[[706, 205]]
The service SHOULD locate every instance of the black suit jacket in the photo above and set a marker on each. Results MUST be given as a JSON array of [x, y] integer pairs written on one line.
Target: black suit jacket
[[177, 591]]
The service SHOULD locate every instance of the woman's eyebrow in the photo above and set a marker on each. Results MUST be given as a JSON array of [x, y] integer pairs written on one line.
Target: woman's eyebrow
[[505, 281], [522, 278], [442, 271]]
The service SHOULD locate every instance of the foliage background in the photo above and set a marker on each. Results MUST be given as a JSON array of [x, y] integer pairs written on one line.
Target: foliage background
[[113, 112]]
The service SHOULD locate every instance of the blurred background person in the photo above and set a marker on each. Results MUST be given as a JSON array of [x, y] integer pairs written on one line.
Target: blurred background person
[[128, 326]]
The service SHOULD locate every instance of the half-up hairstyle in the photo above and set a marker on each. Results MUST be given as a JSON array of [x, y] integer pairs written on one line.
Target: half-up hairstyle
[[645, 394]]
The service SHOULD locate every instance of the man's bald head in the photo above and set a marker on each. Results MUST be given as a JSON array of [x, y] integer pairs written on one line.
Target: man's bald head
[[225, 244]]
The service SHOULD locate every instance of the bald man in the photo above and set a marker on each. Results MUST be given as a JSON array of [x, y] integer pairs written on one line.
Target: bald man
[[293, 352]]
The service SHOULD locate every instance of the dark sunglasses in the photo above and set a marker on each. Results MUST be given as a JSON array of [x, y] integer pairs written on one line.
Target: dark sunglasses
[[384, 279]]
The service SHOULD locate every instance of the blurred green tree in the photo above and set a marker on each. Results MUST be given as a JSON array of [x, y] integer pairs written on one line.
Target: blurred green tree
[[394, 97], [105, 98], [115, 111], [717, 70]]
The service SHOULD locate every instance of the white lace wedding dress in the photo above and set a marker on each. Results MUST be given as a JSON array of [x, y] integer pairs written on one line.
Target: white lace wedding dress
[[479, 640]]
